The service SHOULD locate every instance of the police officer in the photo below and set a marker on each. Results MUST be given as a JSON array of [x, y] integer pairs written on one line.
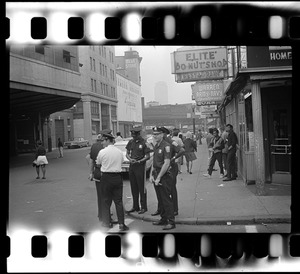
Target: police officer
[[137, 154], [176, 152], [162, 180]]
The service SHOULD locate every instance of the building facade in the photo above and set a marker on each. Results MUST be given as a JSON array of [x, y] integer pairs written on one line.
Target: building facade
[[258, 105], [97, 109], [42, 81], [129, 104]]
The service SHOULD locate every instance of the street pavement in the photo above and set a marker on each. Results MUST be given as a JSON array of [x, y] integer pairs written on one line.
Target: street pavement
[[66, 199]]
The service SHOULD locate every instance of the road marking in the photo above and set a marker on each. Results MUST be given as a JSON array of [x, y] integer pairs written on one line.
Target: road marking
[[116, 227], [250, 228]]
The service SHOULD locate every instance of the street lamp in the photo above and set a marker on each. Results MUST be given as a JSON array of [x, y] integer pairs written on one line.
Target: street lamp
[[193, 118]]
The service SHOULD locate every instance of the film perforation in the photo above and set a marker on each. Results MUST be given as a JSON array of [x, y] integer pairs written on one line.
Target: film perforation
[[113, 246], [149, 28], [76, 28], [112, 28], [38, 28], [39, 246], [294, 27], [76, 245], [150, 246]]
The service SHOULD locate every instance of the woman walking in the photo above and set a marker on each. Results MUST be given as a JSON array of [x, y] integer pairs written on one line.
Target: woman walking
[[190, 147], [41, 160]]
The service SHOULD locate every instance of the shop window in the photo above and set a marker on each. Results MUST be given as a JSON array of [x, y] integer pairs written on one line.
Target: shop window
[[66, 56], [40, 49], [249, 123]]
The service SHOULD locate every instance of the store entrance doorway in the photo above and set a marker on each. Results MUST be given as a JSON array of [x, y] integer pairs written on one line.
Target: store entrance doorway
[[280, 142]]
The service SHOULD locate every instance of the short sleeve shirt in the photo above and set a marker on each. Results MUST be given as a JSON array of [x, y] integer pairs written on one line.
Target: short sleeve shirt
[[95, 150], [137, 148], [162, 151]]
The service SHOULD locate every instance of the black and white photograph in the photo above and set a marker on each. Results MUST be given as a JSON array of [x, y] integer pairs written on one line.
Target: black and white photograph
[[147, 138]]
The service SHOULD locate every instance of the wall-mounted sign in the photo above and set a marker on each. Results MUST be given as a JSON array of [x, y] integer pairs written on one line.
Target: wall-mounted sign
[[201, 75], [208, 92], [269, 56], [200, 60]]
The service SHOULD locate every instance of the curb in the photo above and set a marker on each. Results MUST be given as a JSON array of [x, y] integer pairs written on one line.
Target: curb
[[220, 221]]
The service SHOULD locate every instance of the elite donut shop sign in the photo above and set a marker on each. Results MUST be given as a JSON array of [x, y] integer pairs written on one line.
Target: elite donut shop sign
[[201, 64]]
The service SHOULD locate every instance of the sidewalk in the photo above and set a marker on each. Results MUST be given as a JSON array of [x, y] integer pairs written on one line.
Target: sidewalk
[[204, 200]]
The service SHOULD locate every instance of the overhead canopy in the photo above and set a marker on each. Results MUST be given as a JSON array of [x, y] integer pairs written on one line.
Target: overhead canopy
[[29, 99]]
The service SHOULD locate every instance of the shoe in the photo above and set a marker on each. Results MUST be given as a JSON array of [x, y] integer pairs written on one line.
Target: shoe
[[233, 178], [155, 213], [132, 210], [123, 227], [169, 226], [43, 177], [221, 176], [38, 177], [175, 213], [190, 172], [160, 222], [142, 211], [227, 179], [207, 175]]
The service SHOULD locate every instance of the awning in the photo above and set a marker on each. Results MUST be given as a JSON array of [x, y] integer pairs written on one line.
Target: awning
[[29, 99]]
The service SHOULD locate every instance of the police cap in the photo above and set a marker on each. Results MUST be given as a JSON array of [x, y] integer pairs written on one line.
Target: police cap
[[157, 130], [136, 128], [165, 130]]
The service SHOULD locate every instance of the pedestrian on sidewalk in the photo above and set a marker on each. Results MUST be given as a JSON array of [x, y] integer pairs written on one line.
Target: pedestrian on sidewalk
[[160, 177], [60, 148], [119, 137], [190, 147], [224, 136], [232, 142], [199, 136], [40, 160], [176, 152], [110, 158], [217, 144], [137, 152], [181, 158]]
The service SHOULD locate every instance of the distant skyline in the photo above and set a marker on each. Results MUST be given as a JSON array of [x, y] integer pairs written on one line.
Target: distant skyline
[[161, 92], [156, 67]]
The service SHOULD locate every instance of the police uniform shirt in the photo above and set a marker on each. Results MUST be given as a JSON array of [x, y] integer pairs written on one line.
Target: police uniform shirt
[[137, 148], [175, 148], [110, 159], [162, 151]]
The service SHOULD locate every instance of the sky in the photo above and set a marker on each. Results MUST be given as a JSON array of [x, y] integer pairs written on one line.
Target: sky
[[156, 67]]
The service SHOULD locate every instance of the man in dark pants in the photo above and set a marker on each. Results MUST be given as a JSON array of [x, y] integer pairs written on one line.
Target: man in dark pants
[[217, 144], [96, 147], [137, 154], [176, 152], [110, 158], [232, 142], [162, 180]]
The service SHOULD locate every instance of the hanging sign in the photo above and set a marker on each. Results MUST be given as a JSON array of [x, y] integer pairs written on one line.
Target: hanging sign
[[208, 93]]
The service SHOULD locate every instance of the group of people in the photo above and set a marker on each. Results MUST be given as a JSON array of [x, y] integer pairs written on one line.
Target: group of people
[[222, 149]]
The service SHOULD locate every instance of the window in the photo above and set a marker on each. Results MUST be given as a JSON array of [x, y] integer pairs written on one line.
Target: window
[[92, 85], [94, 107], [91, 63], [100, 69], [66, 56], [94, 66], [40, 49], [101, 88], [95, 86]]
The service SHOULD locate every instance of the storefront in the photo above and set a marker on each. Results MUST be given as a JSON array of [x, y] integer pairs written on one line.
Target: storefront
[[258, 105]]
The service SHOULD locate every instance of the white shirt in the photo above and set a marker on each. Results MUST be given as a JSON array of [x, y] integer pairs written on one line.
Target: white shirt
[[118, 139], [110, 159], [179, 142]]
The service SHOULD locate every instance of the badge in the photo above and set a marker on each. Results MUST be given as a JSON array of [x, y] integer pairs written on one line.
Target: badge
[[159, 151], [140, 146], [174, 144], [167, 149]]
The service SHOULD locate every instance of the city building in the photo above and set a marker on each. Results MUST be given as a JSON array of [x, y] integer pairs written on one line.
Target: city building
[[161, 93], [42, 80], [129, 104], [151, 104], [97, 109], [258, 105]]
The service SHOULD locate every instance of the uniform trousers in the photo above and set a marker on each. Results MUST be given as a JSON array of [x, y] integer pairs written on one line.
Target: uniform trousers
[[112, 191], [164, 196], [137, 184], [174, 173], [231, 163]]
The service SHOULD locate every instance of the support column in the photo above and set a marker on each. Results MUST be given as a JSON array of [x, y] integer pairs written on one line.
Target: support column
[[259, 156], [87, 119]]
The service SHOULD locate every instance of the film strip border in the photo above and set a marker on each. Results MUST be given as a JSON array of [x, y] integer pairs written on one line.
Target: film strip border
[[153, 23], [85, 252]]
